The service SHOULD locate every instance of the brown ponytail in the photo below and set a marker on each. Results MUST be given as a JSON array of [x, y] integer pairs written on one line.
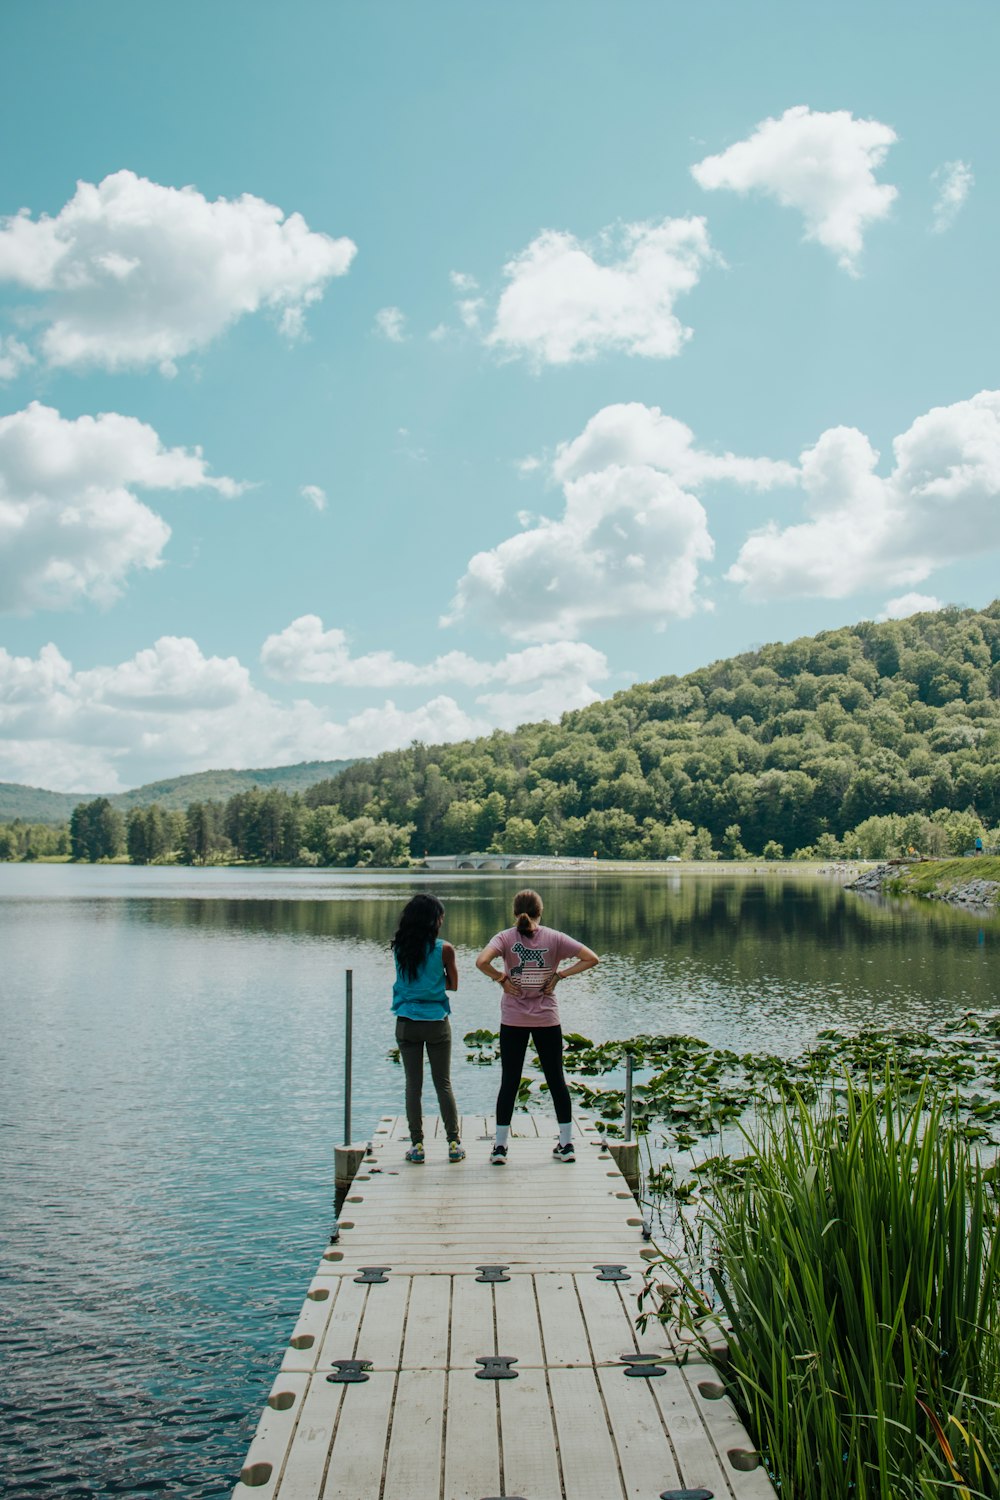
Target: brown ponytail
[[527, 909]]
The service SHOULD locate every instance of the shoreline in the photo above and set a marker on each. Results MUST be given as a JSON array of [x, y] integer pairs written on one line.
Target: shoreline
[[842, 872]]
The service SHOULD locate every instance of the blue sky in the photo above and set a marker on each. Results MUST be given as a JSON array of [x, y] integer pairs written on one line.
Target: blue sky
[[411, 369]]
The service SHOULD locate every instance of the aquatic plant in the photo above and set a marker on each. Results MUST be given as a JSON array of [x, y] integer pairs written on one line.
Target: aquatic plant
[[855, 1256]]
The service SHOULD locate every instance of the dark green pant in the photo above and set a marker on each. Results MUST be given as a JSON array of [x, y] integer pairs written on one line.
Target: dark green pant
[[413, 1037]]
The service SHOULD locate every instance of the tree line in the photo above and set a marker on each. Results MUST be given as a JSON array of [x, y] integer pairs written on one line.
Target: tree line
[[865, 741]]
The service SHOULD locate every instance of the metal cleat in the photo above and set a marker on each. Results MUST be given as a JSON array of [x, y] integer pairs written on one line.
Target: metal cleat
[[643, 1366], [372, 1275], [349, 1371], [492, 1273], [613, 1273], [496, 1367]]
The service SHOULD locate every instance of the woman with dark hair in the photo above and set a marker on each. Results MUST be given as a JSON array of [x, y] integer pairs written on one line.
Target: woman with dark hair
[[425, 971], [530, 955]]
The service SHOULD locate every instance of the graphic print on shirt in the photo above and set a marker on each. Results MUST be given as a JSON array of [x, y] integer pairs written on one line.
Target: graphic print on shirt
[[533, 956]]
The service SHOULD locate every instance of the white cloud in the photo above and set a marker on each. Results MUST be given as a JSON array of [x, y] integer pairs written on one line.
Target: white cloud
[[470, 311], [630, 541], [170, 677], [632, 434], [629, 544], [567, 300], [71, 527], [316, 496], [136, 274], [821, 163], [170, 710], [14, 357], [462, 282], [938, 505], [909, 604], [390, 322], [954, 182], [540, 682]]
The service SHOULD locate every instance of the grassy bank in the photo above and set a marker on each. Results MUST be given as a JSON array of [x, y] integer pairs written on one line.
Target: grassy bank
[[939, 877]]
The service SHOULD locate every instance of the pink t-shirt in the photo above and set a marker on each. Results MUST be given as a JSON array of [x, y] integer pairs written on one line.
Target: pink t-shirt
[[528, 960]]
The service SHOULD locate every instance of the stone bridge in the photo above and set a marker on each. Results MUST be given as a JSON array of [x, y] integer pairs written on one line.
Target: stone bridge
[[474, 861]]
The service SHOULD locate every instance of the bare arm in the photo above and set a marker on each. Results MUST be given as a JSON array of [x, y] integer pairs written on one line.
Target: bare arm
[[450, 967], [484, 963], [585, 959]]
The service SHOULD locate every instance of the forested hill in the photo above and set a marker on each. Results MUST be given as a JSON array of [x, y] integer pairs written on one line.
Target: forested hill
[[33, 805], [791, 745]]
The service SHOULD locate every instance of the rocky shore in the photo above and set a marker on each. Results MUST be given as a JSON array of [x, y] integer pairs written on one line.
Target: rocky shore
[[977, 893]]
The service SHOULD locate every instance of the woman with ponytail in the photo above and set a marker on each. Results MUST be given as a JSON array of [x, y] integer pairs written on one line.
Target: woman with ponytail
[[425, 971], [530, 955]]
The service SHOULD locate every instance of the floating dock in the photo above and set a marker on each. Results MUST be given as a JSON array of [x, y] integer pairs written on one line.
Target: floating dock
[[472, 1335]]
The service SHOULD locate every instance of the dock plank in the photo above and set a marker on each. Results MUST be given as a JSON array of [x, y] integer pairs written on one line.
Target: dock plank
[[530, 1452], [589, 1458], [472, 1439], [413, 1463], [358, 1454]]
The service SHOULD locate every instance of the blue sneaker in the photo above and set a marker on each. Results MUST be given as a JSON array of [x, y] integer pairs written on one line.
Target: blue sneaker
[[416, 1154], [456, 1151]]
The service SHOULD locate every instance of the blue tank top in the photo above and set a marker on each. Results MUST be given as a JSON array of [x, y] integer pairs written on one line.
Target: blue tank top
[[423, 998]]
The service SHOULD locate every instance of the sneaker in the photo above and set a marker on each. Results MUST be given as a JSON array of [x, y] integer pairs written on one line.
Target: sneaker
[[564, 1153], [498, 1156], [416, 1154], [456, 1151]]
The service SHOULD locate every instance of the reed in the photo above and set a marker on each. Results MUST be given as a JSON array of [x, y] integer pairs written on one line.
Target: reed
[[857, 1261]]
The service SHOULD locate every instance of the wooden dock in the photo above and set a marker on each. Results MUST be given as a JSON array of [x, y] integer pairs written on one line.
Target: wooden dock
[[571, 1416]]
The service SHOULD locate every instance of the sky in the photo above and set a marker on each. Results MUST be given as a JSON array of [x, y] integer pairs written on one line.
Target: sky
[[408, 369]]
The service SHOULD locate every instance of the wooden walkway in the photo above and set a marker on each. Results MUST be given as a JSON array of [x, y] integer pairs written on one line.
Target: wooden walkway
[[572, 1425]]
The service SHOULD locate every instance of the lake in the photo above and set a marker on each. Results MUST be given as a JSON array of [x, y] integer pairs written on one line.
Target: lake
[[173, 1090]]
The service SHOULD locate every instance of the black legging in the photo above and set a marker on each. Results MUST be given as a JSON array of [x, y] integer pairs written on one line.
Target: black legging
[[513, 1046]]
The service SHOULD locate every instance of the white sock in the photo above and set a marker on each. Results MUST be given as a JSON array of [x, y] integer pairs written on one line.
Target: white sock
[[503, 1131], [566, 1133]]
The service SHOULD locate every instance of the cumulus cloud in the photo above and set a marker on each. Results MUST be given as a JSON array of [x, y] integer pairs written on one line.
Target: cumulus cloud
[[630, 541], [909, 604], [134, 274], [631, 434], [937, 505], [390, 322], [14, 357], [170, 709], [557, 675], [821, 163], [315, 496], [954, 181], [71, 526], [567, 300]]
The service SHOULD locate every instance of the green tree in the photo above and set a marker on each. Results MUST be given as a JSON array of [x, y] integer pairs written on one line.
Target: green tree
[[97, 831]]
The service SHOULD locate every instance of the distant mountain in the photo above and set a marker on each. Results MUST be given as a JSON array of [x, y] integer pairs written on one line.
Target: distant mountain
[[34, 805]]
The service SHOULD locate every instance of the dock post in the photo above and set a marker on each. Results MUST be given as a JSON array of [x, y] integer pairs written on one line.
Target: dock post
[[348, 1157], [626, 1152]]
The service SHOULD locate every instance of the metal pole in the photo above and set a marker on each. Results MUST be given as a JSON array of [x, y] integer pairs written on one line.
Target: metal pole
[[347, 1055], [628, 1096]]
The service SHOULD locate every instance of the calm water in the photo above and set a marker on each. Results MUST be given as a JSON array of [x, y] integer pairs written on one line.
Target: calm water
[[172, 1092]]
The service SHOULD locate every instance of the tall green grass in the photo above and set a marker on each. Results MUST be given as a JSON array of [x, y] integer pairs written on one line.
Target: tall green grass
[[858, 1264]]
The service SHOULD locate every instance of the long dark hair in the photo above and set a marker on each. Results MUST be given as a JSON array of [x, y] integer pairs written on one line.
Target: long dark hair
[[419, 924], [527, 909]]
